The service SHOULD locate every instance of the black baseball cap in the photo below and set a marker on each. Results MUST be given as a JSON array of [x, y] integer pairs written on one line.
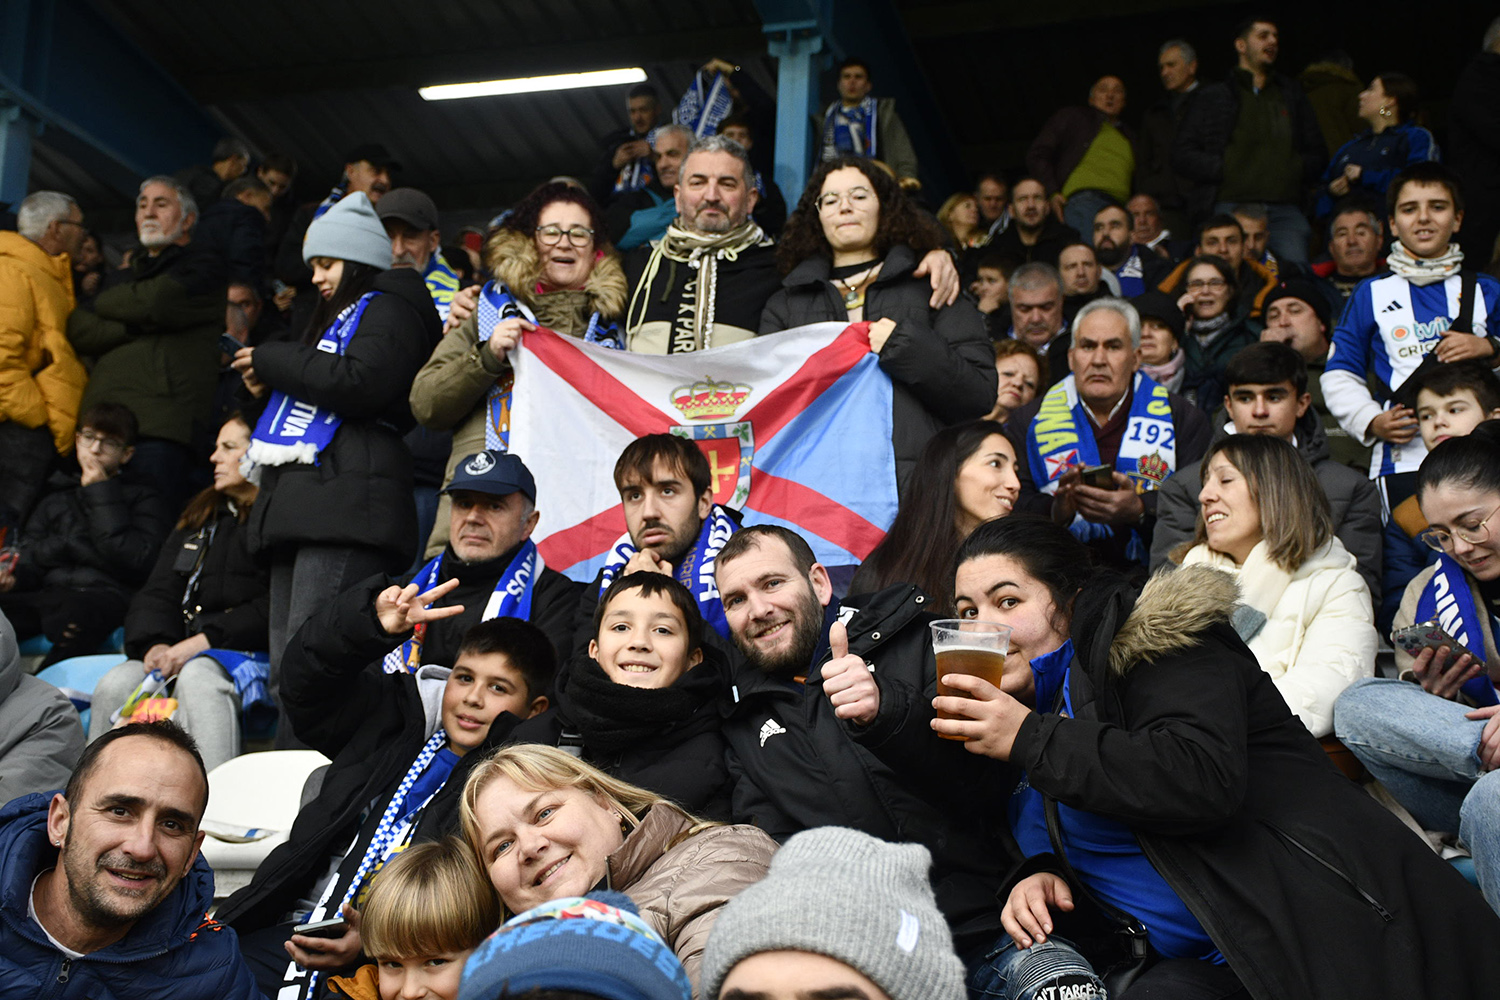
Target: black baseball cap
[[410, 206], [497, 473], [372, 152]]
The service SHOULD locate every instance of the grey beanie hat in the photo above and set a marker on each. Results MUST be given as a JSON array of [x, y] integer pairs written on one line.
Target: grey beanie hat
[[350, 230], [851, 897]]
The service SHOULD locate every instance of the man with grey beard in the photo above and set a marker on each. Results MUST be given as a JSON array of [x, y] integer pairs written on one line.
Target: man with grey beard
[[154, 340]]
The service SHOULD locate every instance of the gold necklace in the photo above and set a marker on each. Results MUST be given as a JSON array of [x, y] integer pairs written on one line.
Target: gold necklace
[[854, 286]]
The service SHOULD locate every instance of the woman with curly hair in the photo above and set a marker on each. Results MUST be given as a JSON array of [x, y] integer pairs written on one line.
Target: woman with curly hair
[[848, 253], [553, 267]]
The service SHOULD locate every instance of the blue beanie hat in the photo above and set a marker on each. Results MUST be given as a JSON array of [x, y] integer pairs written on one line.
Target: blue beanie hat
[[596, 944], [350, 230]]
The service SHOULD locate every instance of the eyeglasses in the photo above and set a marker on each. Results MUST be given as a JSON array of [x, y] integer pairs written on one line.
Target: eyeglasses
[[1214, 283], [105, 443], [1440, 540], [578, 236], [833, 199]]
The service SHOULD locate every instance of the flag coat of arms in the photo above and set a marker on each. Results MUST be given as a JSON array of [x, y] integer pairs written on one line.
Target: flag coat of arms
[[796, 427]]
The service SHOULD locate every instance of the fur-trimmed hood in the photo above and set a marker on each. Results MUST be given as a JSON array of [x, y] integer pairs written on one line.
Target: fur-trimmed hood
[[1115, 629], [1172, 609], [512, 258]]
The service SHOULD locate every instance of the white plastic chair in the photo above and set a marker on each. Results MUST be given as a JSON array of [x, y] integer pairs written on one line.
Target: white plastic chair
[[252, 802]]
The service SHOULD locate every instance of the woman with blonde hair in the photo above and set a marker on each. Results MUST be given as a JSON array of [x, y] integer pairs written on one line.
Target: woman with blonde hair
[[1306, 613], [959, 215], [544, 825]]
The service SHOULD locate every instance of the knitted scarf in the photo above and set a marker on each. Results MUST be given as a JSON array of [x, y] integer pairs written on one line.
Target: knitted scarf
[[1425, 270], [1208, 330], [1162, 374], [701, 252], [614, 717]]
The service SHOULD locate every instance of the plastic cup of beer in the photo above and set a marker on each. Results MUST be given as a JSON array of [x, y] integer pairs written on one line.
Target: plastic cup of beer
[[967, 646]]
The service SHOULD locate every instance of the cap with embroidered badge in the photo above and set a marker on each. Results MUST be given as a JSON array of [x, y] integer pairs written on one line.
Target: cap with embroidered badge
[[497, 473]]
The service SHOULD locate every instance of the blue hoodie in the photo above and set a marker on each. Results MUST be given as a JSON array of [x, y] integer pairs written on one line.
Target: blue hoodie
[[172, 953]]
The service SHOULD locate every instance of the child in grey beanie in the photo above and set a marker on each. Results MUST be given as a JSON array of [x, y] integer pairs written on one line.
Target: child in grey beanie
[[850, 897]]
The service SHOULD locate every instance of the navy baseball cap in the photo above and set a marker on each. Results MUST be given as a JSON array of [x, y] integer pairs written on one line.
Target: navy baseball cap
[[495, 472]]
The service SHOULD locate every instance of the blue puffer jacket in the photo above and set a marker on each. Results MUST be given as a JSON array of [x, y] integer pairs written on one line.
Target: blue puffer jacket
[[173, 953]]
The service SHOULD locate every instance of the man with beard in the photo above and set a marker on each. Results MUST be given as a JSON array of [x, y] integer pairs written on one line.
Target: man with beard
[[672, 527], [102, 889], [410, 218], [818, 737], [154, 341], [1126, 260], [1034, 234]]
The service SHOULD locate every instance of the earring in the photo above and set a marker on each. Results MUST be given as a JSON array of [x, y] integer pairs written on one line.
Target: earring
[[1385, 111]]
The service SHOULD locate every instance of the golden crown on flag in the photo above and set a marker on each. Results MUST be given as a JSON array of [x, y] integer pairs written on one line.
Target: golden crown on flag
[[708, 399]]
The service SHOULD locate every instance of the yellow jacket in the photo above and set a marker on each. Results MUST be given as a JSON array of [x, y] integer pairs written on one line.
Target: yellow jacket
[[41, 379]]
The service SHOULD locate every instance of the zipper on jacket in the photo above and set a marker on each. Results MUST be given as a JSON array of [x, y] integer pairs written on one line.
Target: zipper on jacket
[[62, 973], [1343, 876]]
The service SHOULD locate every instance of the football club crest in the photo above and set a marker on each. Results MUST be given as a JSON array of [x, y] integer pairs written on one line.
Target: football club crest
[[1059, 463], [708, 399], [480, 464], [1152, 469], [729, 449]]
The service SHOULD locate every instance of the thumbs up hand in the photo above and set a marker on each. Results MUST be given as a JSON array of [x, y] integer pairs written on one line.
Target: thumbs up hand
[[848, 682]]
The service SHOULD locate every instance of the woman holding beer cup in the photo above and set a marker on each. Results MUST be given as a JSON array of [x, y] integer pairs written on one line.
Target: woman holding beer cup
[[1179, 823], [1264, 519]]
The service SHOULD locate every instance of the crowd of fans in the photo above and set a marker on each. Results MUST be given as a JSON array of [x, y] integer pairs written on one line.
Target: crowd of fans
[[1203, 409]]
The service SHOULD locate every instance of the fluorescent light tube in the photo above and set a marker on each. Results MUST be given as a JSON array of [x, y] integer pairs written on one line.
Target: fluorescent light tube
[[533, 84]]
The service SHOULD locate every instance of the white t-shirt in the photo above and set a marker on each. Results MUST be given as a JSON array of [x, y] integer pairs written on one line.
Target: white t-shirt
[[31, 912]]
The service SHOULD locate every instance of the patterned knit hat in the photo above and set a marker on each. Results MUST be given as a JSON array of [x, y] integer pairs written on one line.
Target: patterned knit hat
[[595, 944]]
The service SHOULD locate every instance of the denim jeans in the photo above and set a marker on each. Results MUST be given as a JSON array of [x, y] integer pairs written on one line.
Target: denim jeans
[[1425, 753], [1289, 230], [1080, 210], [1006, 972]]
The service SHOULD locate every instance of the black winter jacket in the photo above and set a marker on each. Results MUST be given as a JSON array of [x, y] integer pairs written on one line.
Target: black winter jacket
[[553, 603], [1307, 886], [795, 765], [1206, 127], [232, 599], [372, 725], [359, 493], [99, 537], [675, 750], [940, 362]]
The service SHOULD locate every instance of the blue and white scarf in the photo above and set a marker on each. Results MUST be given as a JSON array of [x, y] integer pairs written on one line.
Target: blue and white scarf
[[1061, 437], [335, 195], [292, 431], [850, 130], [703, 114], [249, 671], [391, 836], [1132, 274], [1447, 599], [496, 304], [442, 284], [637, 173], [511, 598], [695, 571]]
